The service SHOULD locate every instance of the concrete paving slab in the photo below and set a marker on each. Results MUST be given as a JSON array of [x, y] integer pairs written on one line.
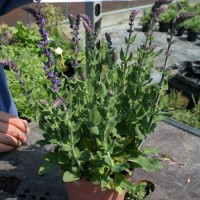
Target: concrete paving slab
[[18, 169]]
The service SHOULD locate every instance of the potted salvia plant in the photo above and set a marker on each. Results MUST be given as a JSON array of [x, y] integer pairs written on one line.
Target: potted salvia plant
[[98, 118]]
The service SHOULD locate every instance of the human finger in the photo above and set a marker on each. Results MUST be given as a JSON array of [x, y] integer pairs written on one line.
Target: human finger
[[9, 140], [15, 121], [5, 148], [13, 131]]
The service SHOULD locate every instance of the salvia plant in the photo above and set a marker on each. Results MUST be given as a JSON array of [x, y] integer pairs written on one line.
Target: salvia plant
[[98, 118]]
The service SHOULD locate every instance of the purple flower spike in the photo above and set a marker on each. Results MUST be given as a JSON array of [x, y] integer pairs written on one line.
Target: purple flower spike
[[134, 13], [161, 2], [87, 27], [44, 43], [85, 18], [185, 16]]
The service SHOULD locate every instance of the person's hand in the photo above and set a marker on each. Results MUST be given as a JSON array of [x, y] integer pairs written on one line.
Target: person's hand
[[12, 131]]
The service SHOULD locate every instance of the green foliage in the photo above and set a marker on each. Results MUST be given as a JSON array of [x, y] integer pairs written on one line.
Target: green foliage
[[168, 16], [54, 16], [146, 16], [6, 35], [139, 191], [178, 103], [99, 117], [107, 111], [24, 52], [177, 100], [192, 24]]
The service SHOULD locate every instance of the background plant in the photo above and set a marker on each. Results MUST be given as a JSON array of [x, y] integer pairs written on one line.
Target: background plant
[[192, 24], [178, 102], [168, 16]]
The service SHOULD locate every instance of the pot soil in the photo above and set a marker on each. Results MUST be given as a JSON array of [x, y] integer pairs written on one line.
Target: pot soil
[[191, 35], [163, 27], [84, 190]]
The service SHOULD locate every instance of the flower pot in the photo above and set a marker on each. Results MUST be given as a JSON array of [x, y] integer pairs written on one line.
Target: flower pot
[[84, 190], [191, 35], [163, 26], [145, 27], [180, 31]]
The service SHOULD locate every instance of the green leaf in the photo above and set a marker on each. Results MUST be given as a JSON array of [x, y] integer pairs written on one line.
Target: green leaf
[[42, 142], [132, 40], [65, 147], [148, 164], [121, 167], [84, 156], [150, 150], [122, 56], [72, 175], [122, 183], [96, 117], [46, 167], [95, 130]]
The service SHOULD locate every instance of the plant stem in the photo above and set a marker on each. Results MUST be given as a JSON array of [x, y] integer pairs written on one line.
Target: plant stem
[[162, 79], [63, 63]]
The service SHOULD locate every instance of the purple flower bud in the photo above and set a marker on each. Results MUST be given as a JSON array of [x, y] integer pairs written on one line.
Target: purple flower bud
[[161, 2], [134, 13], [85, 18], [108, 38], [162, 9], [185, 16], [59, 102], [87, 27], [71, 18], [98, 26]]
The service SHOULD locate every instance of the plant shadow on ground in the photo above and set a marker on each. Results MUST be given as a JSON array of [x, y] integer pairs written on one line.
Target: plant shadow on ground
[[19, 178]]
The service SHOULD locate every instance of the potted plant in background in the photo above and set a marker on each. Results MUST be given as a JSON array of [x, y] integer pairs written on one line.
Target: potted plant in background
[[98, 118], [181, 7], [145, 20], [193, 27], [165, 19]]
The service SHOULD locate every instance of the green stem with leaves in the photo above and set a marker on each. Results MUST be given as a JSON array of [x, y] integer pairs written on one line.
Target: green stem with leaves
[[161, 83]]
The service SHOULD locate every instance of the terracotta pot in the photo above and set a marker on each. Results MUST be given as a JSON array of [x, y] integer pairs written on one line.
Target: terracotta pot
[[84, 190]]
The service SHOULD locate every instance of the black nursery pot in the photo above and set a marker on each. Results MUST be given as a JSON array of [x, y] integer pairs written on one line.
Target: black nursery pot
[[180, 31], [163, 26], [192, 36], [145, 27]]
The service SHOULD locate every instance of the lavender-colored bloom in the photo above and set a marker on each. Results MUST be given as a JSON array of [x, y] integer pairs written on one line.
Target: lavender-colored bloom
[[97, 27], [72, 19], [85, 18], [133, 14], [108, 38], [184, 16], [59, 101], [181, 18], [161, 2], [131, 19], [44, 42], [18, 74], [87, 27]]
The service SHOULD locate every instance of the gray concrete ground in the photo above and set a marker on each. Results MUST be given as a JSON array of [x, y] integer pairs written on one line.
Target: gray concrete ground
[[178, 180]]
